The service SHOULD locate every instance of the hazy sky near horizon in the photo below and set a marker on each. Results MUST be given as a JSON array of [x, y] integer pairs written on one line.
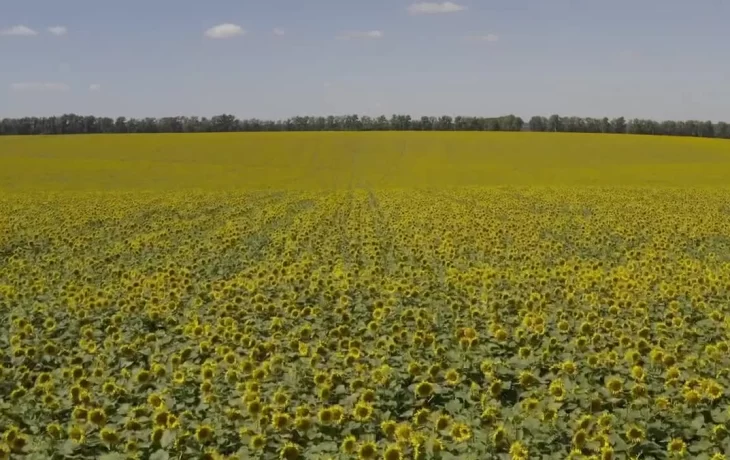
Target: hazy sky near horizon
[[661, 59]]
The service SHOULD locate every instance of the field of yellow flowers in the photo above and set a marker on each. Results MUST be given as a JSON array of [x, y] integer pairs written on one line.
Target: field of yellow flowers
[[364, 295]]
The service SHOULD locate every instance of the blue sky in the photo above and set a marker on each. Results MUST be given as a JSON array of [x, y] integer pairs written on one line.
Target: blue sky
[[662, 59]]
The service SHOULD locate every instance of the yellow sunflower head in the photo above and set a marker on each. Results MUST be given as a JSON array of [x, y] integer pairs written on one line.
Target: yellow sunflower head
[[460, 432], [677, 448], [349, 444], [289, 451], [367, 451]]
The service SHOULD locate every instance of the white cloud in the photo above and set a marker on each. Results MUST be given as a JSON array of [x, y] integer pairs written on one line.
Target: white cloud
[[58, 30], [366, 34], [490, 38], [435, 8], [39, 86], [279, 32], [225, 31], [19, 31], [95, 87]]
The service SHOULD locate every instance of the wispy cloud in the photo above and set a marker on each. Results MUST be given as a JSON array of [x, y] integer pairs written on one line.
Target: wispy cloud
[[95, 87], [435, 8], [58, 30], [489, 38], [363, 34], [279, 31], [39, 86], [18, 31], [222, 31]]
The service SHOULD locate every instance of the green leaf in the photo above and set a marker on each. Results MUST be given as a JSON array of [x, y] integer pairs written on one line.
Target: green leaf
[[698, 422], [700, 446], [112, 456], [454, 406], [67, 448], [531, 424], [160, 455], [167, 438]]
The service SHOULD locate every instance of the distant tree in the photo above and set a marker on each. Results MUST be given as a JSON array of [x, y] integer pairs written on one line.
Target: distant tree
[[618, 125], [76, 124], [554, 123], [722, 130]]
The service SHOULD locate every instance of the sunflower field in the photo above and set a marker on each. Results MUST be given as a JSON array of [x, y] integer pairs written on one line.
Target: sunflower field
[[325, 302]]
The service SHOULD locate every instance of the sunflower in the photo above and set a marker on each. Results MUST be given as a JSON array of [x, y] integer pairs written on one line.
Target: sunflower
[[501, 335], [393, 452], [568, 367], [403, 433], [424, 389], [388, 428], [452, 376], [677, 448], [639, 390], [155, 400], [414, 369], [173, 422], [131, 446], [557, 390], [109, 436], [362, 412], [662, 403], [4, 451], [529, 404], [157, 433], [367, 451], [443, 422], [98, 417], [160, 418], [80, 414], [280, 421], [338, 413], [421, 417], [289, 451], [254, 407], [527, 379], [495, 388], [321, 378], [324, 392], [143, 377], [19, 443], [368, 396], [518, 451], [549, 415], [499, 436], [325, 416], [719, 432], [77, 434], [585, 422], [691, 397], [204, 434], [607, 453], [635, 434], [257, 442], [460, 432], [713, 390], [614, 385], [54, 430], [281, 398], [349, 444], [580, 438], [605, 420]]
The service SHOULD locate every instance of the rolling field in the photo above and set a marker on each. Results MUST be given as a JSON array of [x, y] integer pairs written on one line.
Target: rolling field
[[364, 295]]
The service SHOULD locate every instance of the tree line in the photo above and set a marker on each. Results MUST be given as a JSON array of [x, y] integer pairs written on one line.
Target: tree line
[[78, 124]]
